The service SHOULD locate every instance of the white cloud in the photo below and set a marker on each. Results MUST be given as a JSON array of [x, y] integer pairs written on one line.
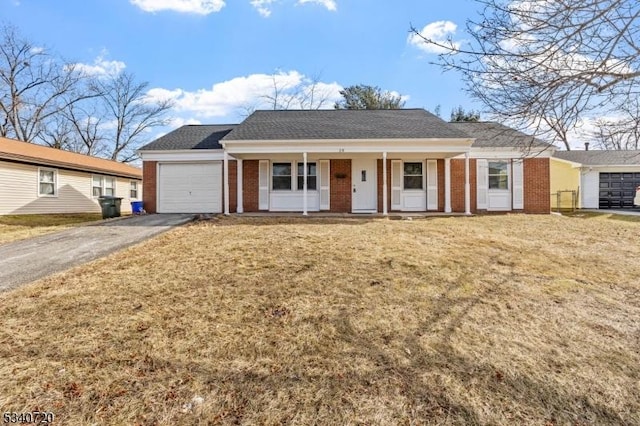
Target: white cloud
[[233, 97], [440, 32], [200, 7], [101, 66], [263, 7], [179, 122], [329, 4]]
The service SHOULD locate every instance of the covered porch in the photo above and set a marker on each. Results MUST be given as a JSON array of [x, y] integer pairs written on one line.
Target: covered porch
[[346, 177]]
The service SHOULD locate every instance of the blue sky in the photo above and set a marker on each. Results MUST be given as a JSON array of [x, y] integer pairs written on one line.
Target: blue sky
[[218, 58]]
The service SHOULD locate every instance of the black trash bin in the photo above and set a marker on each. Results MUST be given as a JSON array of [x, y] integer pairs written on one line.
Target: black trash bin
[[110, 206]]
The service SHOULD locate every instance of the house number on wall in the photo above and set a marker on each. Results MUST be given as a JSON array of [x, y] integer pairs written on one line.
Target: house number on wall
[[340, 149]]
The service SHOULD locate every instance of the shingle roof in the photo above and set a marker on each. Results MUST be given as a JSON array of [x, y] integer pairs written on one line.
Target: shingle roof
[[343, 124], [495, 135], [191, 137], [31, 153], [601, 158]]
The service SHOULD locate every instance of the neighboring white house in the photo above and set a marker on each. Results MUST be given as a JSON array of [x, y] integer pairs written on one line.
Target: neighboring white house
[[602, 179], [38, 180]]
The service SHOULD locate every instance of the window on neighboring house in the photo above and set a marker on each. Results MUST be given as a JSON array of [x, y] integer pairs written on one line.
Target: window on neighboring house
[[133, 192], [109, 186], [103, 185], [281, 177], [311, 176], [96, 186], [498, 175], [413, 176], [47, 182]]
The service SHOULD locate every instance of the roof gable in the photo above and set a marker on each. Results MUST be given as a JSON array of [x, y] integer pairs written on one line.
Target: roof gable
[[26, 152], [343, 124]]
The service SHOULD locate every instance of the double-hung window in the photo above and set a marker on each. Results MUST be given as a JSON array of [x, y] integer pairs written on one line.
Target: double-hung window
[[311, 176], [133, 192], [281, 177], [47, 182], [284, 175], [103, 185], [498, 175], [413, 176]]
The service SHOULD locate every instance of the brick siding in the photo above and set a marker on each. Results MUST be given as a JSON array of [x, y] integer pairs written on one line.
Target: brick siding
[[457, 185], [537, 198], [440, 185], [149, 178], [380, 187], [250, 188], [233, 186], [340, 188]]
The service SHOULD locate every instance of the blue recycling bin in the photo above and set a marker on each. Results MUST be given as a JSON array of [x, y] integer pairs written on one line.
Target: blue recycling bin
[[136, 207]]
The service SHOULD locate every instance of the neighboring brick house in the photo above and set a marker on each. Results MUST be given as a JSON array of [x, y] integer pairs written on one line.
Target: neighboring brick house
[[35, 179], [346, 161]]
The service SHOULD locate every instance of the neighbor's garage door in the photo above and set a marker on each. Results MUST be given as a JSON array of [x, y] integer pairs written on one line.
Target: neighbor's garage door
[[618, 189], [190, 187]]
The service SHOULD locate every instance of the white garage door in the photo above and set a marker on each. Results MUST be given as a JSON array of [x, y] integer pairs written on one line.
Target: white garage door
[[190, 187]]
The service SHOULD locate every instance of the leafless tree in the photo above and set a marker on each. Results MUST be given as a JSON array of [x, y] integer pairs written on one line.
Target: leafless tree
[[621, 132], [548, 65], [86, 122], [35, 87], [310, 93], [129, 112]]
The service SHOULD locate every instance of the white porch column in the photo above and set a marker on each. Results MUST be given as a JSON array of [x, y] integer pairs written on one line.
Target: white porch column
[[240, 201], [226, 183], [447, 185], [304, 194], [467, 185], [384, 184]]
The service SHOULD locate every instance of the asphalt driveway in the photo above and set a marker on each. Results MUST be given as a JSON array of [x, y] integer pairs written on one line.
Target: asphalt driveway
[[28, 260]]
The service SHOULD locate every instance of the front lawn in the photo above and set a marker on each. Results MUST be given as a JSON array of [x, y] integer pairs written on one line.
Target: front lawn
[[18, 227], [486, 320]]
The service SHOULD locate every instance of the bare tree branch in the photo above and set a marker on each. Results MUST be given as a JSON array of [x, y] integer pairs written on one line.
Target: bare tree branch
[[35, 86], [548, 65], [129, 114]]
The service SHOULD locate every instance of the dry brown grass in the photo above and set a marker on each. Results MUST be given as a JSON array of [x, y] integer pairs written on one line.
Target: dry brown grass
[[486, 320], [18, 227]]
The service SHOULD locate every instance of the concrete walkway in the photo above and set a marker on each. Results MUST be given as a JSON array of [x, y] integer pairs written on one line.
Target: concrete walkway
[[28, 260]]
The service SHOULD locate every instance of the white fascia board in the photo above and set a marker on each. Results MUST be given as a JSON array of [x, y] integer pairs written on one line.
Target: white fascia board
[[513, 152], [614, 167], [348, 146], [184, 155]]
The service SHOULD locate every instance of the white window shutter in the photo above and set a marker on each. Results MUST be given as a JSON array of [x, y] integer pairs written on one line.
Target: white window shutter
[[263, 185], [396, 184], [325, 178], [432, 184], [518, 184], [482, 183]]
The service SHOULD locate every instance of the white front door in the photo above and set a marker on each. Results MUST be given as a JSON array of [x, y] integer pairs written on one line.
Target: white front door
[[364, 197]]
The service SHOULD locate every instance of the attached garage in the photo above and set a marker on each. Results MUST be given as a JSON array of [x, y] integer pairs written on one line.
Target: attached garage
[[183, 170], [190, 187]]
